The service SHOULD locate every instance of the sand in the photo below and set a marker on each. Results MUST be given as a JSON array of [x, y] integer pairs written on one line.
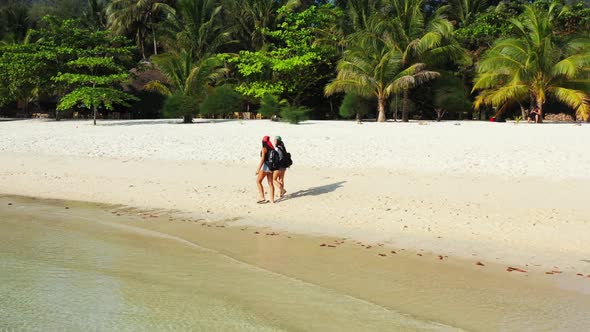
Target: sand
[[491, 192]]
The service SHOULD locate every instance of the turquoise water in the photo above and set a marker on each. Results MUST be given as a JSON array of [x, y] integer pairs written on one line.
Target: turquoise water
[[65, 271]]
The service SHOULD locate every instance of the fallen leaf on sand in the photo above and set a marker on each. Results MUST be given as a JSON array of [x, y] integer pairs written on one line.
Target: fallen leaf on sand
[[382, 255], [479, 263], [579, 274], [322, 245], [548, 272], [393, 252], [256, 232], [440, 257], [331, 246], [419, 254], [510, 269], [556, 271], [368, 247]]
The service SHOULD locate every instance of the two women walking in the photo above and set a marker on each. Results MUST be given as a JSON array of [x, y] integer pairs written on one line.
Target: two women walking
[[274, 161]]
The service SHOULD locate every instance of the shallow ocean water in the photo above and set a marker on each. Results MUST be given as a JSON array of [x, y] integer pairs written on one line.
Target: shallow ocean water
[[86, 268]]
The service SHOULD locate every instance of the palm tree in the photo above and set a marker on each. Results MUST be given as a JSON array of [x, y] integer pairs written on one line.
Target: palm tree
[[197, 26], [250, 18], [138, 17], [186, 75], [422, 41], [462, 10], [536, 65], [373, 66]]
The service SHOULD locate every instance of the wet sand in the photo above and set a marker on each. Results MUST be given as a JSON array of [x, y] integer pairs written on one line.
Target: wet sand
[[72, 266]]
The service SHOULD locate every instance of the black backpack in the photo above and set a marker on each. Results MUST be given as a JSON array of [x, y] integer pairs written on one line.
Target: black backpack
[[284, 157], [273, 160]]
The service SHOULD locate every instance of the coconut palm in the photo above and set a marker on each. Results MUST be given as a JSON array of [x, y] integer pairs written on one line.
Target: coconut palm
[[536, 65], [373, 66], [423, 41], [187, 75], [197, 26], [138, 17], [462, 10], [250, 18]]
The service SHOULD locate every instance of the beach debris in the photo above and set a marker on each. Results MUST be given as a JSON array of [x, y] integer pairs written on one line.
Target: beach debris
[[221, 226], [9, 203], [579, 274], [256, 232], [479, 263], [556, 271], [419, 254], [382, 255], [322, 245], [331, 246], [393, 252], [510, 269], [369, 247], [67, 208], [549, 272], [440, 257]]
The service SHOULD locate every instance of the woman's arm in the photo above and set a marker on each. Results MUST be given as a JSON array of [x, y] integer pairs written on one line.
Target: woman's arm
[[262, 158]]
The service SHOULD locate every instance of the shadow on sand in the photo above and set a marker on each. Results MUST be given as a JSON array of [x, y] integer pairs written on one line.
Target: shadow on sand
[[316, 191], [160, 121]]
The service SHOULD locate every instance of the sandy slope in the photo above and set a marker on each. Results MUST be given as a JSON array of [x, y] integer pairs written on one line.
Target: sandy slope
[[470, 190]]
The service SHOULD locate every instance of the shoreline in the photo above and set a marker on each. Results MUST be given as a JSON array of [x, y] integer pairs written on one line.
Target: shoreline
[[414, 292], [482, 219]]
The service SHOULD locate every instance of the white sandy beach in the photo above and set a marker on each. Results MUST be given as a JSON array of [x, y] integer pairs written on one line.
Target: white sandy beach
[[513, 194]]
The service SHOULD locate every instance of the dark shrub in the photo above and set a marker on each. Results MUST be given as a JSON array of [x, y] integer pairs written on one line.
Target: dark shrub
[[179, 105]]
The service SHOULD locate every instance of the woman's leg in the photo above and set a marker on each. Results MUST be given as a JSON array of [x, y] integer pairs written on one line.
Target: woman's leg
[[259, 179], [272, 187], [282, 180], [275, 179]]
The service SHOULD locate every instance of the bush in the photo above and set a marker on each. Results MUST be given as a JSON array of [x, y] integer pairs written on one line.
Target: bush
[[354, 106], [180, 105], [223, 100], [294, 114], [269, 106]]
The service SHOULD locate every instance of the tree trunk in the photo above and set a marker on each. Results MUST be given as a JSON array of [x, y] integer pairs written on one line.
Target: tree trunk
[[406, 106], [94, 111], [396, 109], [540, 106], [188, 118], [358, 117], [522, 112], [381, 109], [57, 115], [141, 46], [154, 37]]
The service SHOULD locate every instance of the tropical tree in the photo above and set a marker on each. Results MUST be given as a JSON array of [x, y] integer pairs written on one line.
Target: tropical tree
[[374, 66], [187, 76], [95, 80], [422, 41], [252, 18], [197, 26], [536, 65], [463, 10], [138, 17]]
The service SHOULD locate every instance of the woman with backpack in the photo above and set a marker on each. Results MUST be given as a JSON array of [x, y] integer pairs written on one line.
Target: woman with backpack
[[285, 162], [263, 171]]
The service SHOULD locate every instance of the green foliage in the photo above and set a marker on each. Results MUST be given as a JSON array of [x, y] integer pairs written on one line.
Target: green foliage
[[178, 105], [354, 106], [535, 65], [294, 114], [53, 60], [223, 100], [450, 95], [290, 65], [269, 106], [94, 80]]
